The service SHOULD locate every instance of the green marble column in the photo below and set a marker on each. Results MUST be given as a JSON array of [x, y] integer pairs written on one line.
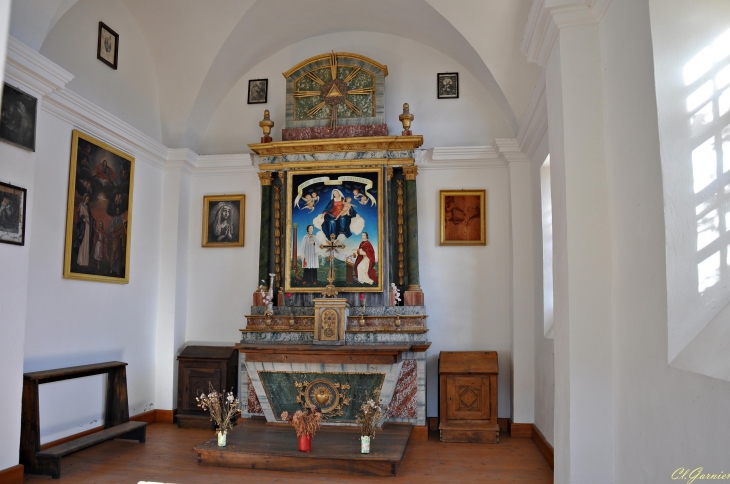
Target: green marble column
[[414, 282], [265, 237]]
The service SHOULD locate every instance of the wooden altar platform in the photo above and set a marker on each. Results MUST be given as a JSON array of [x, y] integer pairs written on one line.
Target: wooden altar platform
[[254, 444]]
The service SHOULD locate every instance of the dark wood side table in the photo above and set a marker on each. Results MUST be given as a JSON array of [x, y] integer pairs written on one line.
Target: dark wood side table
[[198, 365], [468, 396]]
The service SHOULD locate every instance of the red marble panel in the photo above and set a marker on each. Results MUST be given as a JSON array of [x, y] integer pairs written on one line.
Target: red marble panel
[[253, 400], [357, 131], [405, 397]]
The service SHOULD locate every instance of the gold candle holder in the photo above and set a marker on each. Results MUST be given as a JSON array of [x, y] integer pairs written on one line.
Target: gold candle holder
[[406, 118], [266, 124]]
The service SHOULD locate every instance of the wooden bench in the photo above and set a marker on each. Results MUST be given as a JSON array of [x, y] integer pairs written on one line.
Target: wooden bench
[[116, 417]]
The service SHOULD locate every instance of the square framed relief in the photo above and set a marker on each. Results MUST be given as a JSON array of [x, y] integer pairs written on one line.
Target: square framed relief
[[463, 217], [447, 85]]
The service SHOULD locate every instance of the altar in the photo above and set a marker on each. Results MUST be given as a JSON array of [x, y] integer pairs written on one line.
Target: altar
[[339, 316]]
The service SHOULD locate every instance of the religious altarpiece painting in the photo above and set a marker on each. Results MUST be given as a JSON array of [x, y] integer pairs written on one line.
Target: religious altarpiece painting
[[99, 212], [463, 217], [338, 237], [337, 213]]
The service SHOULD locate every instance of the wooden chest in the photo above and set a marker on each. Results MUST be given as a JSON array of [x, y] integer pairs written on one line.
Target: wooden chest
[[198, 365], [468, 396]]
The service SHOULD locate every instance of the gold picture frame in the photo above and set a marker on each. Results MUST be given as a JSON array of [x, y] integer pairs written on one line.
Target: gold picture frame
[[459, 210], [224, 220], [98, 212], [364, 186]]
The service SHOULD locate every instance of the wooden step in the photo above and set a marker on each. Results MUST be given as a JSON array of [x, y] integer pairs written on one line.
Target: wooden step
[[89, 440], [49, 460]]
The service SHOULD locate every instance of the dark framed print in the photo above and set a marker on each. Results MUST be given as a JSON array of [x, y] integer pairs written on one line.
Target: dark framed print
[[18, 118], [341, 209], [447, 85], [257, 91], [99, 212], [12, 214], [463, 217], [108, 49], [223, 220]]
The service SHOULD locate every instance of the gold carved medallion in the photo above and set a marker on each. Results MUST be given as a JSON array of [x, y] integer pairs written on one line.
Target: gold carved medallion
[[328, 396]]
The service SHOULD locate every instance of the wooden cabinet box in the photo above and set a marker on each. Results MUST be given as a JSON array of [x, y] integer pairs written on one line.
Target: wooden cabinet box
[[468, 396], [198, 365]]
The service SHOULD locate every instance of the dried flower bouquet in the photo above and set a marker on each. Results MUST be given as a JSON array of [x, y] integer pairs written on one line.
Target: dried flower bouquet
[[305, 422], [223, 407], [371, 416]]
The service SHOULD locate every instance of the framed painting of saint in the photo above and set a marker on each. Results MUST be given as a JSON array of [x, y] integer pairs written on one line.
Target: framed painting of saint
[[223, 221], [99, 212], [334, 217], [12, 214], [463, 217]]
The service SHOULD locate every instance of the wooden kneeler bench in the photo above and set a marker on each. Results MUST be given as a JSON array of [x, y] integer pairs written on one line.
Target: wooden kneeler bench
[[116, 417]]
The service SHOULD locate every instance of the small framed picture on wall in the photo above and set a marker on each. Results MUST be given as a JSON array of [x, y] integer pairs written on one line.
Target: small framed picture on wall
[[18, 120], [223, 220], [107, 50], [447, 84], [463, 217], [257, 91], [12, 214]]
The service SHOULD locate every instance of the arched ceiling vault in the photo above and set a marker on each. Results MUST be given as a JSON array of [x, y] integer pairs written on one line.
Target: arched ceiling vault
[[202, 48]]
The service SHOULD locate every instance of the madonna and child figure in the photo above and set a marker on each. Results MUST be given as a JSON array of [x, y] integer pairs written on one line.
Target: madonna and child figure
[[342, 215]]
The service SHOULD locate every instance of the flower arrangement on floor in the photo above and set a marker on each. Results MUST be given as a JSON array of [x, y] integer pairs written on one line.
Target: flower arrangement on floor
[[305, 423], [370, 417], [223, 408]]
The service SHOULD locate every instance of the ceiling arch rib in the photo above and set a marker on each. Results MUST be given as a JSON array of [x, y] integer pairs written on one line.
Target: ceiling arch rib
[[254, 39]]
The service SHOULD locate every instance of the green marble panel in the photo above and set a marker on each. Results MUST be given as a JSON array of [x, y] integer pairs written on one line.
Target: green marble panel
[[282, 393]]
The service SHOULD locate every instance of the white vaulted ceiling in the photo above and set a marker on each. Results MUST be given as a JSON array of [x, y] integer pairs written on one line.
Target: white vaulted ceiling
[[201, 49]]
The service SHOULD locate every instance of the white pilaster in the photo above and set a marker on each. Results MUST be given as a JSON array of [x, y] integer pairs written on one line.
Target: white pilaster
[[523, 280], [172, 309], [563, 36]]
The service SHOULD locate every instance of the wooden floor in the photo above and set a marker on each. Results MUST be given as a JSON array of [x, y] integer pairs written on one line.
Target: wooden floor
[[167, 457]]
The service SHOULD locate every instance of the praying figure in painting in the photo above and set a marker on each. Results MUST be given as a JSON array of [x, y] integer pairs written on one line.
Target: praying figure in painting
[[85, 225], [333, 222], [365, 262], [310, 260], [222, 225]]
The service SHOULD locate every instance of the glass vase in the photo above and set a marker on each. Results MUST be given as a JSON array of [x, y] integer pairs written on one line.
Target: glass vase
[[305, 443], [221, 438], [365, 444]]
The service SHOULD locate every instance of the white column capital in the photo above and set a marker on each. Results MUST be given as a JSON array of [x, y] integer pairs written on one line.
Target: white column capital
[[546, 19], [30, 70], [508, 149]]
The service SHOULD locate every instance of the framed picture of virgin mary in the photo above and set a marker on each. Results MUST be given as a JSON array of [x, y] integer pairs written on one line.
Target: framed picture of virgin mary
[[99, 212], [334, 220]]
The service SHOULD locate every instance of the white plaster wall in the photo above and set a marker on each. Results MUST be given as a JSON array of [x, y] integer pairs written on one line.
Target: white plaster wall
[[687, 55], [130, 92], [466, 288], [221, 281], [664, 418], [72, 322], [472, 119], [544, 347]]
